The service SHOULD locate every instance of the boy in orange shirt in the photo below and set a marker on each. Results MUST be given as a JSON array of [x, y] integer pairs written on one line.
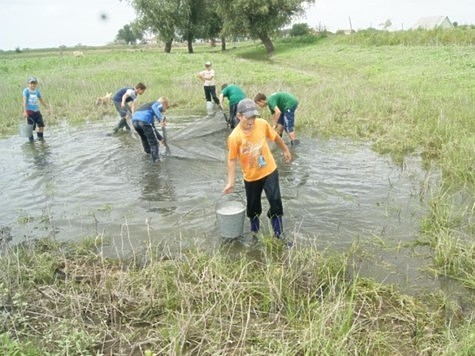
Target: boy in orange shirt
[[248, 144]]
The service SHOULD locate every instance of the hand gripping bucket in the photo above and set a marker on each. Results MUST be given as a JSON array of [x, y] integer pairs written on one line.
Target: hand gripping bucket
[[26, 130], [230, 217]]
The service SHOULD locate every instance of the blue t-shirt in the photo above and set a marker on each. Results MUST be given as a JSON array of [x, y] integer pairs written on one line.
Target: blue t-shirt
[[32, 99], [148, 112]]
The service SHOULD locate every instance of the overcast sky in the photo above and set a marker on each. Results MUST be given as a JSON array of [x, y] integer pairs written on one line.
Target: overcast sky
[[52, 23], [403, 14]]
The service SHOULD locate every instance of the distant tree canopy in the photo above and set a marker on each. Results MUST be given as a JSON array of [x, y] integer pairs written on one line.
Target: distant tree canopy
[[258, 19], [299, 29], [174, 19], [160, 16], [130, 34], [208, 19]]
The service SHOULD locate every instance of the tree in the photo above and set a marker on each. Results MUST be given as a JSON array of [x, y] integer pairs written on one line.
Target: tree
[[194, 13], [386, 24], [300, 29], [258, 18], [170, 19], [161, 17], [215, 27], [130, 34]]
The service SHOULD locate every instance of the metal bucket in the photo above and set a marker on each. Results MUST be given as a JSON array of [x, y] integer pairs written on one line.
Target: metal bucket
[[209, 107], [26, 130], [230, 216]]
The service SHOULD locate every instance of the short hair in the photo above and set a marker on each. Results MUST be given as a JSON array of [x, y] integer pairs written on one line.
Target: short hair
[[224, 86], [259, 97], [140, 86], [164, 101]]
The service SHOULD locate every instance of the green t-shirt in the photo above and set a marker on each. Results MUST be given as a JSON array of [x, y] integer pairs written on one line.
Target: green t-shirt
[[284, 101], [233, 93]]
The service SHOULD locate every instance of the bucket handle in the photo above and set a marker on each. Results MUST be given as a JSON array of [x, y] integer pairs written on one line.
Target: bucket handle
[[234, 193]]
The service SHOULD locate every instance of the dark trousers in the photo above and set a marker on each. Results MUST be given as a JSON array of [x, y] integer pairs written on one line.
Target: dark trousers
[[210, 92], [233, 120], [149, 137], [123, 111], [35, 118], [271, 188]]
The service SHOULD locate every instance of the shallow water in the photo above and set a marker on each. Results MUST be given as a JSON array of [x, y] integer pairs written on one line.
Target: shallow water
[[81, 182]]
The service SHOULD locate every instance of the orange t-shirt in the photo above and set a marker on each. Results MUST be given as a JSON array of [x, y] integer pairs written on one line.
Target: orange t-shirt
[[252, 150]]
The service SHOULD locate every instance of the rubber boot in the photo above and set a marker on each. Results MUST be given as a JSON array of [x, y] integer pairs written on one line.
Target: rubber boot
[[255, 225], [40, 136], [122, 122], [31, 138], [277, 226], [154, 152]]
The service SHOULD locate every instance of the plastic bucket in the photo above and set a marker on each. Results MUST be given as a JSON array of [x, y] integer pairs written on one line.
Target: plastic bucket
[[230, 216], [209, 107], [26, 130]]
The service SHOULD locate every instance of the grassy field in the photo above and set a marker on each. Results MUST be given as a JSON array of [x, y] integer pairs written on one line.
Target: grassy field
[[406, 97]]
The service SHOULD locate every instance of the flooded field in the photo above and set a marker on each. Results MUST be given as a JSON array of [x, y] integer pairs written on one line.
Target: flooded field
[[82, 182]]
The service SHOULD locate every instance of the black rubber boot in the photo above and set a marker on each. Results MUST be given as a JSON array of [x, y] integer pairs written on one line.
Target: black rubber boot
[[154, 152], [120, 125], [277, 226], [255, 225]]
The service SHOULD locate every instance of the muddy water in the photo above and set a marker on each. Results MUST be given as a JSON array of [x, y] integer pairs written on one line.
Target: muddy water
[[82, 182]]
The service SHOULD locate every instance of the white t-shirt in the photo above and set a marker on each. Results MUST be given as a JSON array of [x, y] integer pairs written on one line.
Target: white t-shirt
[[208, 75]]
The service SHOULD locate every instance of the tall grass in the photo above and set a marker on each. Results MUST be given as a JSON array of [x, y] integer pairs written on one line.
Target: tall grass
[[67, 298], [459, 36], [404, 94]]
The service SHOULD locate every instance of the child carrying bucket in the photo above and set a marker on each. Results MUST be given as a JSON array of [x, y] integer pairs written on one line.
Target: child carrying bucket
[[31, 108], [248, 143]]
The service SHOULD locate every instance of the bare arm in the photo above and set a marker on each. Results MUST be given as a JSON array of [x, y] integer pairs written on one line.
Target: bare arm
[[276, 116], [133, 106], [24, 106], [124, 98], [280, 142], [44, 103], [229, 188]]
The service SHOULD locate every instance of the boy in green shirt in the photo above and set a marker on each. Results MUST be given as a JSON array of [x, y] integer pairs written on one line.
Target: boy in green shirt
[[234, 94], [282, 106]]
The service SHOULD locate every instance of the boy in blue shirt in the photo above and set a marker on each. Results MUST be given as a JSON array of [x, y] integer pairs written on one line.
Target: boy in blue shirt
[[31, 107], [143, 122]]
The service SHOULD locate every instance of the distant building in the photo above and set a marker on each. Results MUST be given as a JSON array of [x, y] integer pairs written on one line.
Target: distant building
[[433, 22]]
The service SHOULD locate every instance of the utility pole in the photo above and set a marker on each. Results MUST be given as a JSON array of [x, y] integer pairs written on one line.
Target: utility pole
[[351, 27]]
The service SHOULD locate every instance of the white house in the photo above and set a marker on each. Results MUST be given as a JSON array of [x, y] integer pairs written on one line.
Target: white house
[[433, 22]]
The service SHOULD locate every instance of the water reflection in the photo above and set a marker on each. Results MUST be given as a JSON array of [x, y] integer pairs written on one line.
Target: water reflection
[[334, 192], [157, 188], [37, 153]]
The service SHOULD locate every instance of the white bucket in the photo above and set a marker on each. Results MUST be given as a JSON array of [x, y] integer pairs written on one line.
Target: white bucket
[[26, 130], [230, 216], [209, 107]]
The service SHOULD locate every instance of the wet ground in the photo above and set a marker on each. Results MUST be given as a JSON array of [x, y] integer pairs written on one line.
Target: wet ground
[[82, 182]]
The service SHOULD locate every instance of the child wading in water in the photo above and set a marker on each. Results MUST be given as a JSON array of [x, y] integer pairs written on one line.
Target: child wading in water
[[247, 144], [31, 108]]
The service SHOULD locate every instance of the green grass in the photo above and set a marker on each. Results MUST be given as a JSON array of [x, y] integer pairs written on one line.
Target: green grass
[[408, 93], [278, 302]]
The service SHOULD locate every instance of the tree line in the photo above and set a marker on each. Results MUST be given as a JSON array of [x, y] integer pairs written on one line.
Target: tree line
[[188, 20]]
